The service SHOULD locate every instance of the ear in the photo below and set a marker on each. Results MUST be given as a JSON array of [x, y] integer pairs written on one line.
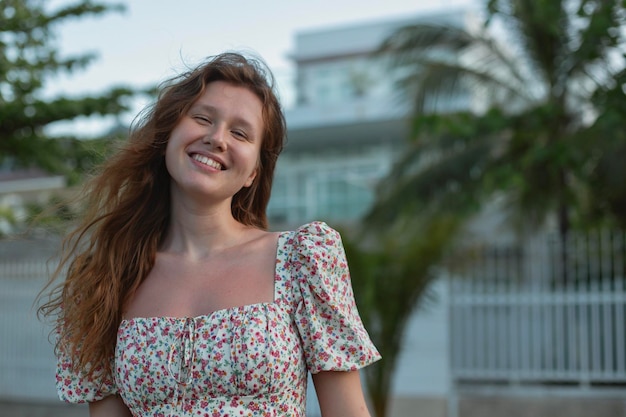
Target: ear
[[251, 178]]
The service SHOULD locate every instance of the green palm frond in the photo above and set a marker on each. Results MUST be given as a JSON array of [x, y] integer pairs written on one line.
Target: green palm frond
[[391, 278], [542, 76], [452, 184], [440, 63]]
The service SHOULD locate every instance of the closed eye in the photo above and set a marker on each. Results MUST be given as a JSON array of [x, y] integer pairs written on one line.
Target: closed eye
[[202, 119], [239, 134]]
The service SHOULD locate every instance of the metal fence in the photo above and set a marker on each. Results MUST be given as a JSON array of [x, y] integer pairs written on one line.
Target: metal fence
[[551, 311], [27, 364]]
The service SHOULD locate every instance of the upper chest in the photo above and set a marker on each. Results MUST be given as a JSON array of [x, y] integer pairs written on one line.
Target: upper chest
[[176, 287]]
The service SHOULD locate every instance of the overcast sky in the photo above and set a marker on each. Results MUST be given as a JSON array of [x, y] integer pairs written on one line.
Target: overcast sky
[[151, 40]]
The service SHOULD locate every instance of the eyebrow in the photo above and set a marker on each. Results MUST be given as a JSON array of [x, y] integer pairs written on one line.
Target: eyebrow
[[237, 120]]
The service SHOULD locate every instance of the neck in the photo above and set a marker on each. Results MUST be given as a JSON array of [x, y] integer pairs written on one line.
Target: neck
[[197, 230]]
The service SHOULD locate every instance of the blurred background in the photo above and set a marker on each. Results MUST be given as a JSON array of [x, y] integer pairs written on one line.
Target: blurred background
[[472, 153]]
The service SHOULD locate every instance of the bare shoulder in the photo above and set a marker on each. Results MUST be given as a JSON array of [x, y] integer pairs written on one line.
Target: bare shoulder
[[262, 239]]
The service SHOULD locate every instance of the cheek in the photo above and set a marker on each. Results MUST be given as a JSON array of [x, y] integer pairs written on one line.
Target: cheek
[[254, 172], [169, 157]]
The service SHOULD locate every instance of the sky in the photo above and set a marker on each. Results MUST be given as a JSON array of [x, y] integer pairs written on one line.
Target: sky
[[152, 40]]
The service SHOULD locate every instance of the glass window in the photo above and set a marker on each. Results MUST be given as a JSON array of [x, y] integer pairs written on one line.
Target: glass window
[[326, 191]]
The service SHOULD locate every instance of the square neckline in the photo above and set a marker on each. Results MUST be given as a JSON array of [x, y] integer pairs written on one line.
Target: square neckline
[[280, 243]]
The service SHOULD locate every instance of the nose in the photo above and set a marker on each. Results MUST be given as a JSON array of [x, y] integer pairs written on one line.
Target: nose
[[216, 137]]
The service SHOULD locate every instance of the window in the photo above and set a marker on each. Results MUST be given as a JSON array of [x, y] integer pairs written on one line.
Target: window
[[327, 190]]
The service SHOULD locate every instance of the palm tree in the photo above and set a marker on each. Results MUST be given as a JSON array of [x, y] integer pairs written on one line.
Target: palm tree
[[532, 69], [607, 199], [548, 129], [391, 274]]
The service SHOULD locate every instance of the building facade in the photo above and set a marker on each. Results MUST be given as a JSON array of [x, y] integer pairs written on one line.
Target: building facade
[[347, 125]]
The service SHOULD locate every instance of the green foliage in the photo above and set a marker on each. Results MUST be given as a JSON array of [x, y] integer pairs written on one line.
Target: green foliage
[[553, 90], [444, 166], [606, 200], [53, 216], [28, 59], [7, 219], [391, 275]]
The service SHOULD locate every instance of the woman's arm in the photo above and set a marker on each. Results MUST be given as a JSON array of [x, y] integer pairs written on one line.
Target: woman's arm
[[111, 406], [340, 394]]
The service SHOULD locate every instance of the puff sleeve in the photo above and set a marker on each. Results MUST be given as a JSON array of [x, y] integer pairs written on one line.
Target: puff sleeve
[[77, 387], [333, 335]]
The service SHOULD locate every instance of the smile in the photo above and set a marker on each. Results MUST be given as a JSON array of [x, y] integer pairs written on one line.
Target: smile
[[207, 161]]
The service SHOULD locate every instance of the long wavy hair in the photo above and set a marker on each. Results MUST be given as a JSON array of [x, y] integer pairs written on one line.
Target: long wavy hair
[[127, 211]]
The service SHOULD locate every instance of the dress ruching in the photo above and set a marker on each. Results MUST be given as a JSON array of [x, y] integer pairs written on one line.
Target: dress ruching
[[249, 360]]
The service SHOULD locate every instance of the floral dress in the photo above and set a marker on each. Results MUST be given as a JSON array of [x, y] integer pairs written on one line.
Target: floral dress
[[243, 361]]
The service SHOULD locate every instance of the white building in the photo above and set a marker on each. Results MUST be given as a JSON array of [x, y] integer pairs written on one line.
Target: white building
[[344, 132], [347, 123]]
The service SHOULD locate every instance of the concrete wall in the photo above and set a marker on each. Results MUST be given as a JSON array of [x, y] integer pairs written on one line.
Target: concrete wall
[[418, 407], [469, 406], [41, 409], [422, 379], [537, 406], [423, 369]]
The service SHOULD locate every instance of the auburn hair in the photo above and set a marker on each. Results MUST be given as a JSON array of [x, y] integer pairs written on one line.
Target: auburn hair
[[127, 211]]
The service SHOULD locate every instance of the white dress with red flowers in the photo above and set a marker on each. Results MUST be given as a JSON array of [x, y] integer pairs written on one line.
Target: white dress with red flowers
[[243, 361]]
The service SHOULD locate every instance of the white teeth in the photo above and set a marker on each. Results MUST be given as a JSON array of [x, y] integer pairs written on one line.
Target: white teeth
[[207, 161]]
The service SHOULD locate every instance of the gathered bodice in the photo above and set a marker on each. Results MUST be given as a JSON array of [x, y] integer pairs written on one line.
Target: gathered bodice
[[248, 353]]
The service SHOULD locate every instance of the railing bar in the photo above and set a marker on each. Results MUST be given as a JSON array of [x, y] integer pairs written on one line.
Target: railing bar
[[607, 319], [595, 253]]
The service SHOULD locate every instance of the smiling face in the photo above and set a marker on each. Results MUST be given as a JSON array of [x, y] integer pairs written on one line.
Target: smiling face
[[213, 151]]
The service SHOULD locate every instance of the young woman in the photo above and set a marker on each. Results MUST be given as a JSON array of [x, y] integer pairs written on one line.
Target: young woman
[[177, 300]]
